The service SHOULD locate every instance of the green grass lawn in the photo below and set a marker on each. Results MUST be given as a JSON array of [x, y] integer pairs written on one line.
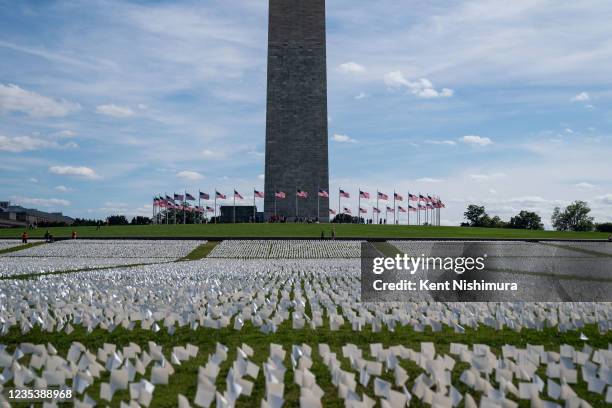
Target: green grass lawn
[[302, 231]]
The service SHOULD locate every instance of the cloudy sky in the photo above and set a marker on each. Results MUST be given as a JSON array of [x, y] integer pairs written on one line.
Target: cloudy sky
[[508, 104]]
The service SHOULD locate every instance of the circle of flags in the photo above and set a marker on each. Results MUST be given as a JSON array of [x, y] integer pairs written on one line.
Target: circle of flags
[[426, 207]]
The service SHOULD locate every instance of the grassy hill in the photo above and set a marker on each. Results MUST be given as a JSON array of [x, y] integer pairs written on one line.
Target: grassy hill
[[301, 231]]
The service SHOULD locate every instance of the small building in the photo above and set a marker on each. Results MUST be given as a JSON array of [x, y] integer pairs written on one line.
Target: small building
[[16, 216], [244, 213]]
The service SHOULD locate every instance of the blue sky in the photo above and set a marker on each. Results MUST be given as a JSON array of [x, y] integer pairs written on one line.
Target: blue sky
[[506, 104]]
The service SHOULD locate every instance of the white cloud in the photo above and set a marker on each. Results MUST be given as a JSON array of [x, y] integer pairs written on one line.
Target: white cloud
[[605, 199], [441, 142], [33, 180], [63, 189], [423, 88], [342, 139], [351, 68], [43, 202], [361, 95], [487, 177], [65, 134], [584, 185], [115, 111], [476, 140], [16, 99], [261, 176], [79, 171], [20, 144], [189, 175], [213, 154], [428, 180], [581, 97]]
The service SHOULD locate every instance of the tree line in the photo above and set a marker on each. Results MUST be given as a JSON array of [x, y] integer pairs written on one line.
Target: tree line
[[112, 220], [574, 217]]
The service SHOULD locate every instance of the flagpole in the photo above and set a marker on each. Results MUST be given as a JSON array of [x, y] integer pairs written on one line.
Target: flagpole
[[275, 216], [408, 208], [296, 204], [377, 209], [359, 206], [254, 207], [234, 216], [318, 208], [339, 196], [215, 205], [394, 207]]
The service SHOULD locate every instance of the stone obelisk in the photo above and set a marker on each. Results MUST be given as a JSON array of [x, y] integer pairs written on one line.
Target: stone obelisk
[[296, 122]]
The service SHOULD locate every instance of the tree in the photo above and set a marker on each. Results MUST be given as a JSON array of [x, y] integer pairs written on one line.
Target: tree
[[477, 216], [604, 227], [575, 217], [140, 220], [84, 222], [494, 222], [117, 220], [526, 220]]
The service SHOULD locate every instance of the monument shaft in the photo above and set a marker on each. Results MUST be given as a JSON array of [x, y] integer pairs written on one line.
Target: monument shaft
[[296, 122]]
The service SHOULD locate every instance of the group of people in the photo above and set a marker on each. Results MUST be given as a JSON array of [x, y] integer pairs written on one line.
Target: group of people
[[48, 236]]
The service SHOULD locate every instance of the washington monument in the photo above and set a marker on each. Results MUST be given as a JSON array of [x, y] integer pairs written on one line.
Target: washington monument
[[296, 122]]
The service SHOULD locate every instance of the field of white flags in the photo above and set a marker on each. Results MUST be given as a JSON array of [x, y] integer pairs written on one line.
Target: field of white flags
[[299, 249], [280, 331], [10, 243], [87, 254]]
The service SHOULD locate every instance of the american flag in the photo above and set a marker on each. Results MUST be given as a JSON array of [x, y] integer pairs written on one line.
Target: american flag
[[332, 212], [390, 209], [429, 199], [364, 194], [344, 194], [382, 196], [347, 210], [375, 210], [323, 193], [280, 194], [422, 198], [179, 197], [204, 196], [363, 210], [220, 196], [237, 195], [411, 208], [189, 197], [169, 198], [429, 206], [210, 209], [398, 197], [199, 209], [412, 197], [401, 209], [302, 194], [259, 194], [421, 207]]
